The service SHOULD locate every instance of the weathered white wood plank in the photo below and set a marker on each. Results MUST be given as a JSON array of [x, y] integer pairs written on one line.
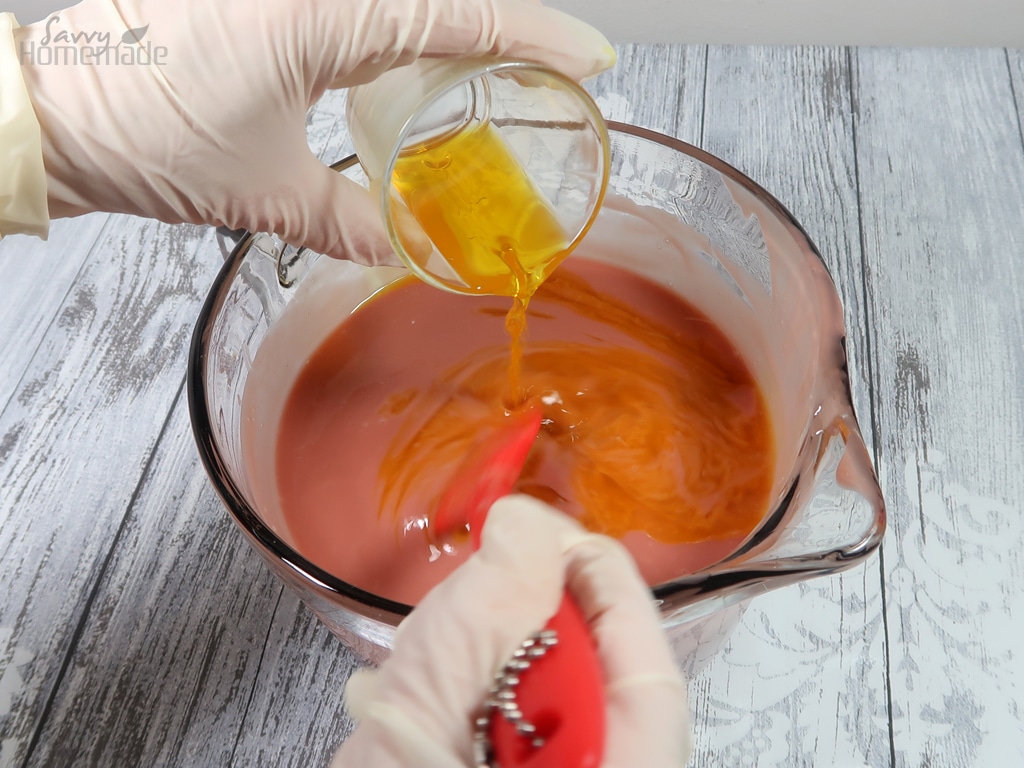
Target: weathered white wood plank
[[1015, 62], [941, 169], [296, 718], [660, 87], [36, 275], [169, 654], [78, 433], [803, 680]]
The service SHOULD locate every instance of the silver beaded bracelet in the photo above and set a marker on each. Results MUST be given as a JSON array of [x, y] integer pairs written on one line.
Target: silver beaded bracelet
[[502, 698]]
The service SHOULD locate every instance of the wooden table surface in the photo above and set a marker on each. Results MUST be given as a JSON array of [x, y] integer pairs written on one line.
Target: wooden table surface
[[137, 629]]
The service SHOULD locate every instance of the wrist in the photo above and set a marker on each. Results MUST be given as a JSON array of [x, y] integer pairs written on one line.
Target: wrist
[[55, 145], [23, 182]]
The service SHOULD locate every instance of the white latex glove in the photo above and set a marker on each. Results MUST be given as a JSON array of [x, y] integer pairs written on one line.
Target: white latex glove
[[216, 133], [417, 710]]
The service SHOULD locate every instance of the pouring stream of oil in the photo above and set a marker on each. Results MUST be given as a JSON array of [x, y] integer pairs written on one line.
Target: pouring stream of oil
[[471, 196]]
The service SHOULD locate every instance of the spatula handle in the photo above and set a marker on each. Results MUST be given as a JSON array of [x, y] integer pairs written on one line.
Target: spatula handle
[[561, 695]]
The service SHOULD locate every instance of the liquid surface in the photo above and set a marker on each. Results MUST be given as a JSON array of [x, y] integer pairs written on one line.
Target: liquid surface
[[654, 430], [471, 196]]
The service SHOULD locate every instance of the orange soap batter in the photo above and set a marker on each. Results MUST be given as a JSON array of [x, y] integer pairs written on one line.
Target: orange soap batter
[[654, 430]]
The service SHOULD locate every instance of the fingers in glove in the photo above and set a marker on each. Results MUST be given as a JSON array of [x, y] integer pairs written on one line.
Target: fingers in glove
[[332, 215], [396, 32], [535, 33], [447, 651], [647, 698], [605, 583]]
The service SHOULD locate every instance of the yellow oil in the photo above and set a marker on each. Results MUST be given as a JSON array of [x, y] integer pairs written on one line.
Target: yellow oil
[[485, 216]]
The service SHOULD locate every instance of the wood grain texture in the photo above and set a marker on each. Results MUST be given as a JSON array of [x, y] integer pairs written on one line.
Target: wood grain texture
[[803, 680], [1015, 63], [941, 170], [180, 659], [37, 274], [295, 717], [165, 661], [77, 434], [170, 656], [660, 87]]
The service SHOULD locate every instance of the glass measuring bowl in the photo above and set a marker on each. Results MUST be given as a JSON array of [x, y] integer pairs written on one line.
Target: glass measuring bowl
[[674, 214], [487, 171]]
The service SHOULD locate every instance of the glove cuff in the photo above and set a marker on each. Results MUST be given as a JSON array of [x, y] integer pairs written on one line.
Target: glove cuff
[[23, 204]]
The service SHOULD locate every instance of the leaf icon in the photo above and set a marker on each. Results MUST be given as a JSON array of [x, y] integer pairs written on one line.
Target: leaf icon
[[134, 35]]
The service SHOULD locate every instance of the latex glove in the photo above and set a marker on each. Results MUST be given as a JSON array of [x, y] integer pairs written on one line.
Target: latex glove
[[216, 133], [22, 177], [418, 708]]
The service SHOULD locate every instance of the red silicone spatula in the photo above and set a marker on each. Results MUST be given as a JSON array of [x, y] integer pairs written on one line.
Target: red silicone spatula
[[561, 693], [487, 475]]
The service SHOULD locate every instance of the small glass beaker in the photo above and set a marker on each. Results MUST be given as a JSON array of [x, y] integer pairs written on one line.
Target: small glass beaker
[[488, 171]]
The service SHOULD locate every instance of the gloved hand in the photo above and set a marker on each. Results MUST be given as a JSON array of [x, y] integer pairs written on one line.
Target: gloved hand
[[214, 132], [417, 709]]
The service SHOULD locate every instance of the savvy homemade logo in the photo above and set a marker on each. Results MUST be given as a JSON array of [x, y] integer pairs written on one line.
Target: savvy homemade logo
[[59, 47]]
